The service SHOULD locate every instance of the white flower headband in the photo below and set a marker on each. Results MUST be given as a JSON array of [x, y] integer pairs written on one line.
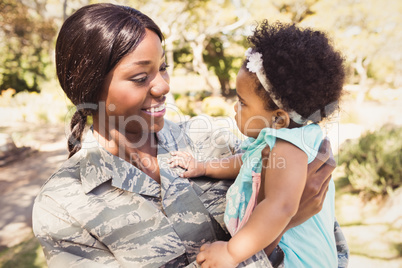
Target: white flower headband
[[254, 65]]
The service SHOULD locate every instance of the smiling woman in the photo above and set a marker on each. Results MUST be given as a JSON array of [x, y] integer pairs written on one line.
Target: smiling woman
[[135, 89], [134, 98], [115, 202], [104, 35]]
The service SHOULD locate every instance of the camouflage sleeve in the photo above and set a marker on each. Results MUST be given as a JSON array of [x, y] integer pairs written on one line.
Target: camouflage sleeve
[[64, 242], [341, 246]]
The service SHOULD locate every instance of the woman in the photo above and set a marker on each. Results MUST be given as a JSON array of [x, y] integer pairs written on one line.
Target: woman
[[115, 201]]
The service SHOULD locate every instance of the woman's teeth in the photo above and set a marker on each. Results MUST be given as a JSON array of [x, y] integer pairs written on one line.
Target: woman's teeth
[[156, 109]]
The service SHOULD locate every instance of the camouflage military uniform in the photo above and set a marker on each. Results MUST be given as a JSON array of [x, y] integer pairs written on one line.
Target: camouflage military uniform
[[99, 210]]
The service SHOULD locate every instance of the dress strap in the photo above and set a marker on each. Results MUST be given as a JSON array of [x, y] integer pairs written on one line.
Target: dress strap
[[253, 199]]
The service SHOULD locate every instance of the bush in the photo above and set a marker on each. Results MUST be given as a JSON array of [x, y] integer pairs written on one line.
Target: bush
[[27, 37], [373, 163]]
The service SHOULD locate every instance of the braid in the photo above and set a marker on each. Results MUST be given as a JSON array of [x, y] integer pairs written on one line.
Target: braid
[[77, 126]]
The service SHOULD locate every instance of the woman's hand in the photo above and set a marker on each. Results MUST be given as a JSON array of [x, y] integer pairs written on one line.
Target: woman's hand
[[216, 255], [193, 168]]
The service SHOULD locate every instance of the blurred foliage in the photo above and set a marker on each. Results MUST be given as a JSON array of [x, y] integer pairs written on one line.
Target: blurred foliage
[[373, 163], [6, 97], [32, 107], [25, 46], [186, 105], [225, 67], [216, 106], [209, 37], [199, 42], [191, 104], [369, 34], [28, 254]]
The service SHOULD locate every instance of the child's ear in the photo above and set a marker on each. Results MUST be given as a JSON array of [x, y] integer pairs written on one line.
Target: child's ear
[[280, 119]]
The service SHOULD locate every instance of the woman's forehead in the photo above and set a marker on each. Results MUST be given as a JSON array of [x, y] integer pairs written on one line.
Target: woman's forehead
[[148, 51]]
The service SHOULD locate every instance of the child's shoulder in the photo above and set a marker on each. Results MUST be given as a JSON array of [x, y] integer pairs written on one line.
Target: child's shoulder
[[307, 138], [308, 132]]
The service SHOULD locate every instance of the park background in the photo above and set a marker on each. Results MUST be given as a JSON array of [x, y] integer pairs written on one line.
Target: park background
[[204, 43]]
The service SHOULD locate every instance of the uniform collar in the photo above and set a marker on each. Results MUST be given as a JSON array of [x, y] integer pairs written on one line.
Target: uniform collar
[[99, 166]]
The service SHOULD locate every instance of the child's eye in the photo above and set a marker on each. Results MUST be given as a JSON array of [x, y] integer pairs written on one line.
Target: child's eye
[[240, 102], [163, 67]]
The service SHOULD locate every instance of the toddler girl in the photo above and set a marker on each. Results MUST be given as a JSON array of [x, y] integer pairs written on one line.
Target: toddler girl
[[291, 80]]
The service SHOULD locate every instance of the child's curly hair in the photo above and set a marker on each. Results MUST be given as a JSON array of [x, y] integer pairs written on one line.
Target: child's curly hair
[[305, 71]]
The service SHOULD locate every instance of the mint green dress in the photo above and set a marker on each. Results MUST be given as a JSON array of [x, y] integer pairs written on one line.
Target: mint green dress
[[311, 244]]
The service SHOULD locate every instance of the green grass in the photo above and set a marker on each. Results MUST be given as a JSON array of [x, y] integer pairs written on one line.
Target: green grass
[[28, 254]]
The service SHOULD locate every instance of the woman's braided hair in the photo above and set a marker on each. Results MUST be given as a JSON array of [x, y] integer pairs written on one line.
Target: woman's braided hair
[[89, 45]]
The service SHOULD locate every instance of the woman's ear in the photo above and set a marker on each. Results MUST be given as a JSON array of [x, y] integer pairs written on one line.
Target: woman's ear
[[280, 119]]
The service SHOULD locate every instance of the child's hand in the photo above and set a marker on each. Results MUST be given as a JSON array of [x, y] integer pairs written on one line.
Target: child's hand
[[216, 255], [187, 161]]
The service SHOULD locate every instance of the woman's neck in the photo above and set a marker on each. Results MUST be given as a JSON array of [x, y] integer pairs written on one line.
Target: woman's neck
[[126, 144], [139, 149]]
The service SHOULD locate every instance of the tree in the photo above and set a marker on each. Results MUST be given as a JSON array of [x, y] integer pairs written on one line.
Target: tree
[[224, 65], [367, 32], [296, 10], [69, 6], [205, 29], [194, 24], [27, 37]]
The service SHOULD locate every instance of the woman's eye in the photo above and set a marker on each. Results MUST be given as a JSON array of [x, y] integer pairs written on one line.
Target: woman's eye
[[140, 79]]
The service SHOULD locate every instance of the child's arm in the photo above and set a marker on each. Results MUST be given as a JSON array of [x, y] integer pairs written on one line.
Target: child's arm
[[223, 168], [284, 182], [318, 177]]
